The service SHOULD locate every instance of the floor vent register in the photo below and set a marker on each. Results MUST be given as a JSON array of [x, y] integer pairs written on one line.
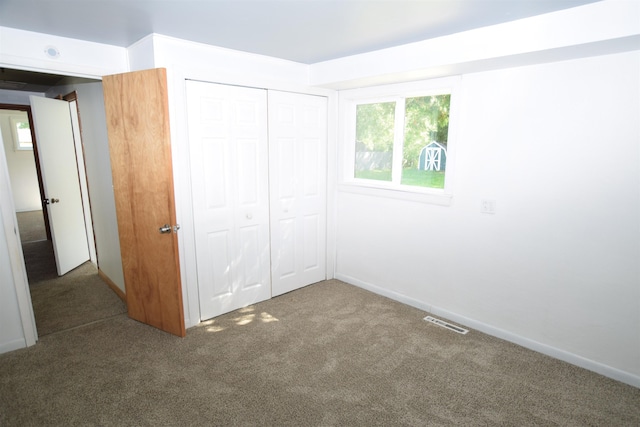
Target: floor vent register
[[447, 325]]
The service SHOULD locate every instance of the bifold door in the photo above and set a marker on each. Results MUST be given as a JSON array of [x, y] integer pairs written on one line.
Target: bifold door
[[258, 173], [297, 170], [229, 171]]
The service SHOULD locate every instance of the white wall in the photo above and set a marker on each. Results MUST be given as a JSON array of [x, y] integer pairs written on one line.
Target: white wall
[[27, 50], [11, 333], [557, 267], [16, 96], [22, 166]]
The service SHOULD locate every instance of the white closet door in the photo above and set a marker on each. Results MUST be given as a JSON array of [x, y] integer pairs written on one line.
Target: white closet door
[[229, 170], [297, 171]]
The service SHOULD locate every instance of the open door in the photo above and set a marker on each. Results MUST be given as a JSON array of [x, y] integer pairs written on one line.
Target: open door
[[57, 156], [136, 106]]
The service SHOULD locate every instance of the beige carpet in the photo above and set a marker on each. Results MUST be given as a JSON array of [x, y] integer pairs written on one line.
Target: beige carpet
[[328, 354], [31, 225], [77, 298], [59, 303]]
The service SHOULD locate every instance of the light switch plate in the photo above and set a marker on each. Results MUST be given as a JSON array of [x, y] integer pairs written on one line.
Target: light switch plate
[[488, 206]]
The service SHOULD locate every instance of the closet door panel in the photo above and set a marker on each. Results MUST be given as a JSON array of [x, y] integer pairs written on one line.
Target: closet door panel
[[229, 172], [298, 163]]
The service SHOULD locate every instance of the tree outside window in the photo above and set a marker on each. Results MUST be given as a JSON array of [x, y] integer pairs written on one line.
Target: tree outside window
[[423, 134]]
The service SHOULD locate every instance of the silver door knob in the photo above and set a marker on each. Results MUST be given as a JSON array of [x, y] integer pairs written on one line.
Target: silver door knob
[[165, 229]]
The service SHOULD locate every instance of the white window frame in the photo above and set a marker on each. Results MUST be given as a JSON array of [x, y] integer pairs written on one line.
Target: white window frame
[[349, 99]]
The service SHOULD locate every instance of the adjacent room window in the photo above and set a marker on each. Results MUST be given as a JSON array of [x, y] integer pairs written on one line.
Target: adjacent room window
[[21, 133], [399, 140]]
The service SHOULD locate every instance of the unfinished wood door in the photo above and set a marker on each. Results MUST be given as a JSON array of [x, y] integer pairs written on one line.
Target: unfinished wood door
[[137, 114]]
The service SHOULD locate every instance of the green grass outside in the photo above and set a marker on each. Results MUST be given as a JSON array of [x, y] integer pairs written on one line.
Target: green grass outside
[[413, 177], [418, 178]]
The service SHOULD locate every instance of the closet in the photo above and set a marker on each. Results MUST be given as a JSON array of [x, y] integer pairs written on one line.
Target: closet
[[258, 177]]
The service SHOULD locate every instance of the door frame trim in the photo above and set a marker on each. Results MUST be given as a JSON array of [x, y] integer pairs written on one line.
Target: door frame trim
[[27, 109], [18, 268]]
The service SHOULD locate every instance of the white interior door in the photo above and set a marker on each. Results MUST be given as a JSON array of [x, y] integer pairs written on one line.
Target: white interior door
[[229, 167], [56, 152], [297, 169]]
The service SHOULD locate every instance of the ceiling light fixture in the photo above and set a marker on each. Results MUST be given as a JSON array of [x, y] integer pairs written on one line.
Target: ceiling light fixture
[[52, 52]]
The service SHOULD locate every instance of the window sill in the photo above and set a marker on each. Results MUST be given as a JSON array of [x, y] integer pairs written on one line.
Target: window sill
[[432, 197]]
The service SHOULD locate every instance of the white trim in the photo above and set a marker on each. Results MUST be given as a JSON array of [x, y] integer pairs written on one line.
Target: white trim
[[18, 269], [12, 345], [332, 183], [23, 50], [433, 197], [574, 359]]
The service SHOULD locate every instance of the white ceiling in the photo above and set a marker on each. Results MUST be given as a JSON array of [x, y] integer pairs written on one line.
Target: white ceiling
[[306, 31]]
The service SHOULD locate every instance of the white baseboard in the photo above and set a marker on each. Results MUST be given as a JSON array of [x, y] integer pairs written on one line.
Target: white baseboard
[[12, 345], [38, 208], [556, 353]]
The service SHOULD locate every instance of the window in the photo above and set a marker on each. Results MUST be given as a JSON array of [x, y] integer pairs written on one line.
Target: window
[[399, 141], [21, 133]]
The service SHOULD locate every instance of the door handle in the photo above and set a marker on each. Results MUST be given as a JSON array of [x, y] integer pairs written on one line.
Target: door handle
[[166, 229], [52, 201]]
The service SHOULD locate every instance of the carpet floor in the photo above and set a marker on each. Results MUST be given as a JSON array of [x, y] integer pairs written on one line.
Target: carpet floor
[[330, 354], [62, 302], [31, 226]]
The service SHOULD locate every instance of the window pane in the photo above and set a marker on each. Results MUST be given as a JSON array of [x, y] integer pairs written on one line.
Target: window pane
[[426, 132], [374, 140], [21, 134]]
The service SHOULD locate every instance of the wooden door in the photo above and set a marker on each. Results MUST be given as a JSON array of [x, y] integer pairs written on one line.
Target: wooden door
[[229, 167], [136, 106], [297, 170], [57, 156]]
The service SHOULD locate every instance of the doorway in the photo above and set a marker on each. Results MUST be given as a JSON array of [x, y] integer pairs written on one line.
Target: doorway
[[80, 296]]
